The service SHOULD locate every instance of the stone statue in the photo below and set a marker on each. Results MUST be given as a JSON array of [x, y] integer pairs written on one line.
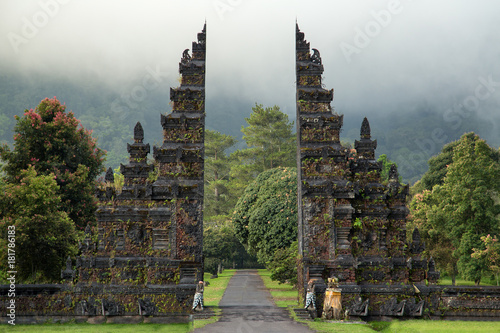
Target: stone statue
[[310, 296], [185, 56], [316, 57], [359, 308], [332, 305], [198, 296]]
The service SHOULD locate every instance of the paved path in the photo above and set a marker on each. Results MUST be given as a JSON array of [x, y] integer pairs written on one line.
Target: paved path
[[247, 307]]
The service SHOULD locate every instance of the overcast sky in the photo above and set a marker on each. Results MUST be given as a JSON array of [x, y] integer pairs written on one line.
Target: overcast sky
[[378, 55]]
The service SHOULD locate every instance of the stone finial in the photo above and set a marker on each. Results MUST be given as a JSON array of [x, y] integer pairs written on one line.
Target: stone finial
[[139, 131], [365, 132], [68, 273], [416, 236], [417, 246], [432, 265], [393, 173], [110, 177], [88, 230]]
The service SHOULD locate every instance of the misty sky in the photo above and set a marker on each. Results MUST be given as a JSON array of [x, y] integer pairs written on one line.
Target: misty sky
[[378, 55]]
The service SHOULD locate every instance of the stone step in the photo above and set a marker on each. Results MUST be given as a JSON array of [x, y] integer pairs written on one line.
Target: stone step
[[205, 314], [302, 314]]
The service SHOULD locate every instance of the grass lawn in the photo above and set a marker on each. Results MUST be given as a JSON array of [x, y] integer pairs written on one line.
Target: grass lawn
[[103, 328], [212, 296], [285, 296], [439, 326], [446, 281]]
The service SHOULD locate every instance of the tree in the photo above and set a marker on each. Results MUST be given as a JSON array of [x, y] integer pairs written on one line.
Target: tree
[[270, 138], [465, 207], [218, 200], [438, 166], [386, 166], [430, 220], [283, 266], [53, 141], [221, 246], [265, 217], [270, 142], [469, 197], [44, 234], [491, 254]]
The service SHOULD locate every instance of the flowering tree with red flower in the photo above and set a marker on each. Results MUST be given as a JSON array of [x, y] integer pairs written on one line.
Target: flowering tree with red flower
[[54, 142]]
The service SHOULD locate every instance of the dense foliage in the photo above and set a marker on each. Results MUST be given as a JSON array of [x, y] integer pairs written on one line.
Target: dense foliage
[[386, 166], [54, 142], [222, 247], [44, 234], [270, 138], [491, 255], [455, 215], [265, 217], [284, 264], [218, 198]]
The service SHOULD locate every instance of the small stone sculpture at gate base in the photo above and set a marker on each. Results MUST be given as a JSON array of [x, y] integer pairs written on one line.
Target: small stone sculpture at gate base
[[332, 306], [359, 308], [198, 296], [310, 296]]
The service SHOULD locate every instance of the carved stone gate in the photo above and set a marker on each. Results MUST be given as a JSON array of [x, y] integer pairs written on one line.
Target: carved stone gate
[[142, 260]]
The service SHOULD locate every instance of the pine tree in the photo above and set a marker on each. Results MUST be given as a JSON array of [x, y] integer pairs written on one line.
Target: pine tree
[[218, 200]]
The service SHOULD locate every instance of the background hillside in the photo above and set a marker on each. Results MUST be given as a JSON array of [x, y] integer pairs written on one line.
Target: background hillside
[[408, 134]]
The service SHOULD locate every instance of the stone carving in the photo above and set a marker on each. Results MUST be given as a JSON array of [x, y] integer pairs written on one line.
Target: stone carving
[[343, 237], [87, 244], [417, 246], [432, 274], [138, 133], [109, 177], [414, 309], [198, 296], [316, 58], [383, 239], [332, 305], [393, 173], [160, 239], [120, 240], [147, 307], [68, 273], [136, 234], [111, 308], [365, 132], [185, 56], [88, 307], [310, 296], [369, 240], [359, 308], [393, 308]]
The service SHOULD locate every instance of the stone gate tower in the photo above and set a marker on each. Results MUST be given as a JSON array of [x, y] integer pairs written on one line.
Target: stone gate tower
[[145, 256], [351, 224]]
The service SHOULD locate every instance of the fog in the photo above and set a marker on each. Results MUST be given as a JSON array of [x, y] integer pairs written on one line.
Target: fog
[[379, 56]]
